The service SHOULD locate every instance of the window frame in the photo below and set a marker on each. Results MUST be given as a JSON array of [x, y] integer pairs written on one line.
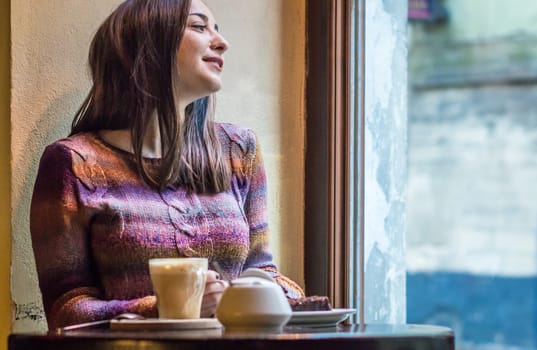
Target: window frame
[[327, 228]]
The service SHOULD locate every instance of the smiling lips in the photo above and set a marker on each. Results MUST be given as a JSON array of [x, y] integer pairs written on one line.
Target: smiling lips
[[215, 61]]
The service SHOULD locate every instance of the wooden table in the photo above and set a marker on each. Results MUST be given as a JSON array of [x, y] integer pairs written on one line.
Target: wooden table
[[342, 337]]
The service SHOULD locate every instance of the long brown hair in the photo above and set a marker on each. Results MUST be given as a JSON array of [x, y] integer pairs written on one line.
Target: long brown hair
[[132, 59]]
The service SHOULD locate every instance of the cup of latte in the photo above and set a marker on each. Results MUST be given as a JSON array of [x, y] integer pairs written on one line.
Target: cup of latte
[[178, 284]]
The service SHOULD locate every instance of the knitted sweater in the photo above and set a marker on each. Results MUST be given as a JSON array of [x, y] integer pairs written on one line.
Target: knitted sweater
[[95, 223]]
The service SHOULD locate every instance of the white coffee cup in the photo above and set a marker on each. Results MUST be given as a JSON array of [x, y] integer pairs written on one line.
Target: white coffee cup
[[179, 284]]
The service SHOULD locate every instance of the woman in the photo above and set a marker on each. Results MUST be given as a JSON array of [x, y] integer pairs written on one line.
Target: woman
[[146, 173]]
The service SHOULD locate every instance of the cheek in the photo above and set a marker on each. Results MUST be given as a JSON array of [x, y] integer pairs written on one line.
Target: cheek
[[185, 54], [180, 64]]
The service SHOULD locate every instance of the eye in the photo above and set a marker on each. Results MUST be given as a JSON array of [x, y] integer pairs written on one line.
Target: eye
[[199, 27]]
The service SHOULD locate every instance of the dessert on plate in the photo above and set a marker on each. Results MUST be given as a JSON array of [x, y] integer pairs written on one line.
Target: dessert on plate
[[311, 303]]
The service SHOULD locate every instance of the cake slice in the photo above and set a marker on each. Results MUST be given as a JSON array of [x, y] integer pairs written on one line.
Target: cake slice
[[311, 303]]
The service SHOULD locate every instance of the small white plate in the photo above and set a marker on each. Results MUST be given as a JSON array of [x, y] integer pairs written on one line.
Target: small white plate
[[157, 324], [320, 318]]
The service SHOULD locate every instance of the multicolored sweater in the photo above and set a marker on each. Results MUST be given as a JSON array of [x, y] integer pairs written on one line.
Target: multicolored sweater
[[95, 224]]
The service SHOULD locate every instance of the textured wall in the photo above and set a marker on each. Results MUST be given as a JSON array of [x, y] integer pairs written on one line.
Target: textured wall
[[5, 210], [472, 168], [49, 80], [385, 161], [472, 213], [472, 142], [263, 88]]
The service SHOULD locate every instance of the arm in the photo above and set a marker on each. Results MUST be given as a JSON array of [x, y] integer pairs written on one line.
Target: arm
[[59, 225], [255, 208]]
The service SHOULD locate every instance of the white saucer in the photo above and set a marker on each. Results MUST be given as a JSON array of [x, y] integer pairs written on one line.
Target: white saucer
[[154, 324], [320, 318]]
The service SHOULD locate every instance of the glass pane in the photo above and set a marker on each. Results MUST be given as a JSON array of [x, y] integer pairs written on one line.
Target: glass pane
[[378, 158], [472, 198]]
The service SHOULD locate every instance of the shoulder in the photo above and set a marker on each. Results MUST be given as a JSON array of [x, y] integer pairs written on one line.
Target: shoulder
[[84, 145], [79, 154], [62, 150], [244, 137], [242, 145]]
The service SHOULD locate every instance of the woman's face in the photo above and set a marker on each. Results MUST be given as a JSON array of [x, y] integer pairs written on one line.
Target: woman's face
[[199, 60]]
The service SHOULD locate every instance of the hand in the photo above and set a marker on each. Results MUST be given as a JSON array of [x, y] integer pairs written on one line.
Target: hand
[[214, 288]]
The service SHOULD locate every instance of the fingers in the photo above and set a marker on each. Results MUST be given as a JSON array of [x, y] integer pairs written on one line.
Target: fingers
[[211, 297], [209, 303], [215, 287], [214, 284], [212, 276], [207, 312]]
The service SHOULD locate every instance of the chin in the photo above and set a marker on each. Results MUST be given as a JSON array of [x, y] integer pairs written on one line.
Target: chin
[[212, 81], [215, 86]]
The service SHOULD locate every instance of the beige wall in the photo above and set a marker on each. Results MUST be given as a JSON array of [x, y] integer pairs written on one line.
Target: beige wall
[[263, 88], [5, 210], [264, 82]]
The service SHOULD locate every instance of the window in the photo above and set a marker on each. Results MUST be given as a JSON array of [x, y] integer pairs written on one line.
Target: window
[[471, 253], [335, 139]]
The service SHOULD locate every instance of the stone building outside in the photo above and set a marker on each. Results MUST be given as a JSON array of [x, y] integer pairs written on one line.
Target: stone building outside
[[472, 173]]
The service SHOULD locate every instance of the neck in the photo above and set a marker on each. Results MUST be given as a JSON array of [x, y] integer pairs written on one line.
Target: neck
[[152, 143]]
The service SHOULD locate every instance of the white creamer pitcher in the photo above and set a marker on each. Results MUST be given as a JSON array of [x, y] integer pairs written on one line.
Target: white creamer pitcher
[[253, 301]]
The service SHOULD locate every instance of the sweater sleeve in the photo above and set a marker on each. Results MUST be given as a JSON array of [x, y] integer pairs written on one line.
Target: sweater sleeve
[[255, 207], [60, 230]]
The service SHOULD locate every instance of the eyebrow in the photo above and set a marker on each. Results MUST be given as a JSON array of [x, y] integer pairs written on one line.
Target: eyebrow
[[204, 18]]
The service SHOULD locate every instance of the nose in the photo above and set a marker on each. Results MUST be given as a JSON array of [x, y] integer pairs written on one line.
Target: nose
[[219, 43]]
